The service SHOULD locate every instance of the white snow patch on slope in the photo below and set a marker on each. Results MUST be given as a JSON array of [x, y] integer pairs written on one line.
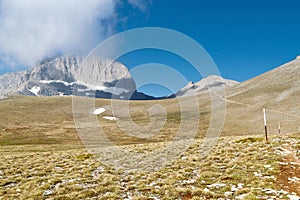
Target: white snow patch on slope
[[57, 81], [110, 118], [35, 90], [113, 90], [98, 111]]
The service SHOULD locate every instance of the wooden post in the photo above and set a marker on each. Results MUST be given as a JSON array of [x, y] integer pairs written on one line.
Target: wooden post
[[279, 127], [265, 123]]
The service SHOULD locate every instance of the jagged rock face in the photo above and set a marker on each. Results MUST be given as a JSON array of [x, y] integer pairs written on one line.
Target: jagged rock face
[[71, 75], [209, 84], [11, 82]]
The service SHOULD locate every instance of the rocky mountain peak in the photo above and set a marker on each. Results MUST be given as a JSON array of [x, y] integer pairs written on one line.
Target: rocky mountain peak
[[208, 84], [70, 74]]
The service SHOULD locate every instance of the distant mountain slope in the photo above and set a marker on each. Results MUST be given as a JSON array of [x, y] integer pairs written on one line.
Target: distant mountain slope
[[71, 75], [280, 83], [209, 84], [277, 90]]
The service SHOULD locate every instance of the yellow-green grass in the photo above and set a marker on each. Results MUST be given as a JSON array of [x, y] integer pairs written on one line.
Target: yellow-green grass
[[43, 157], [49, 120], [238, 166]]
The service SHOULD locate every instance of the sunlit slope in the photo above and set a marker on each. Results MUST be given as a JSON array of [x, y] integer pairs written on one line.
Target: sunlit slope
[[40, 120], [277, 90]]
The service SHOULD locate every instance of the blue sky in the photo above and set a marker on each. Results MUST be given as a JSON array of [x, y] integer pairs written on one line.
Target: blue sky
[[244, 38]]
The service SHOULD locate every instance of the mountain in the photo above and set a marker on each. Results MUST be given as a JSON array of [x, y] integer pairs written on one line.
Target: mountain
[[73, 75], [278, 84], [277, 91], [209, 84]]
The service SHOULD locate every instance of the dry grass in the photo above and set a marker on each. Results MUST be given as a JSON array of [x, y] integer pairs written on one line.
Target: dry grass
[[237, 167], [49, 120], [43, 158]]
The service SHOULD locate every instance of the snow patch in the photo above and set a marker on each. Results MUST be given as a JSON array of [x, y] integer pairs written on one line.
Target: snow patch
[[98, 111], [110, 118], [113, 90], [57, 81], [35, 90]]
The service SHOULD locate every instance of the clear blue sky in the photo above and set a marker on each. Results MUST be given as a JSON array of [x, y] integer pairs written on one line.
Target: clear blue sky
[[245, 38]]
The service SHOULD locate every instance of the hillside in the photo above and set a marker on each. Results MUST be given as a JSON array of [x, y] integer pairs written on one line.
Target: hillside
[[277, 90], [42, 157]]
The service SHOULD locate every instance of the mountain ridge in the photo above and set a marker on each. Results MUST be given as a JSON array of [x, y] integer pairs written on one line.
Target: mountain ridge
[[73, 75], [211, 83]]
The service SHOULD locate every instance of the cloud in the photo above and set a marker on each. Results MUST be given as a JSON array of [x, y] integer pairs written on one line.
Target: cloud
[[33, 29], [142, 5]]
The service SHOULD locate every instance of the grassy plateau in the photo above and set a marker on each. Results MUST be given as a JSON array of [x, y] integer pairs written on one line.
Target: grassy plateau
[[42, 156]]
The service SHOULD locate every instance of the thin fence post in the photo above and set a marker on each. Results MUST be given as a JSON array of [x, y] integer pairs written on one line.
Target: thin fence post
[[265, 123], [279, 127]]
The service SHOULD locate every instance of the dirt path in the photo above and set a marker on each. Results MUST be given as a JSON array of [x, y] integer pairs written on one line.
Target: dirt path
[[289, 175], [252, 106]]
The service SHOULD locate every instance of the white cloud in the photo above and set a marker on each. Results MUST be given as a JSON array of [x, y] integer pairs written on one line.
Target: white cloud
[[33, 29]]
